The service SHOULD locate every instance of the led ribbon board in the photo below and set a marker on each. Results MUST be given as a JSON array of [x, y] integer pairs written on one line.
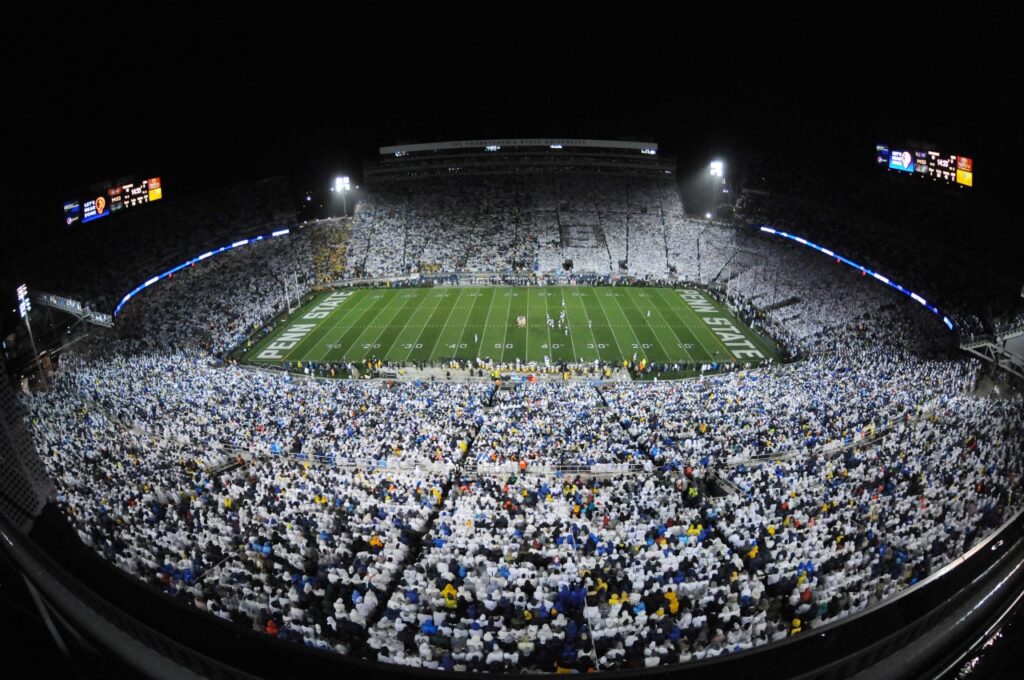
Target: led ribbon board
[[170, 272], [839, 258]]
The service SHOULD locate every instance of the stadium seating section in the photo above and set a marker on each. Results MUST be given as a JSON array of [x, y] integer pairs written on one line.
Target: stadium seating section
[[558, 525]]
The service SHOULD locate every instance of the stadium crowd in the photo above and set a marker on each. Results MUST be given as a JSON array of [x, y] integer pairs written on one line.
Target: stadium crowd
[[456, 525]]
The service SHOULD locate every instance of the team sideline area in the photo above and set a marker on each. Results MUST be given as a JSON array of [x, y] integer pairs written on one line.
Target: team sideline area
[[509, 326]]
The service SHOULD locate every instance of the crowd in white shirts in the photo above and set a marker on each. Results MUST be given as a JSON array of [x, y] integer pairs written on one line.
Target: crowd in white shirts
[[461, 526]]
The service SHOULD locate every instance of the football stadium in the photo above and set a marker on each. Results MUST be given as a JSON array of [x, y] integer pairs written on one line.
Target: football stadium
[[516, 405]]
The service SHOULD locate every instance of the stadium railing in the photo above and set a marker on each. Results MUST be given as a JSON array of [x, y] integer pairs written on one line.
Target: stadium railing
[[164, 637]]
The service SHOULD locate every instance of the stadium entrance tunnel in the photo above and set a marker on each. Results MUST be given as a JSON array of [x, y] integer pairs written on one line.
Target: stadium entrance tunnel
[[716, 485]]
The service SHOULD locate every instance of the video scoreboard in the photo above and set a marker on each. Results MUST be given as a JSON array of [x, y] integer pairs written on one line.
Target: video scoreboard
[[942, 167], [111, 198]]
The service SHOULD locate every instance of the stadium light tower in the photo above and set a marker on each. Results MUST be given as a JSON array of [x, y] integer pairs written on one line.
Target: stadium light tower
[[342, 185], [24, 307], [717, 170]]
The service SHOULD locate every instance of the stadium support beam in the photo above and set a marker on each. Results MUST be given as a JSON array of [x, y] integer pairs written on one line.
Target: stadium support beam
[[994, 350], [74, 308]]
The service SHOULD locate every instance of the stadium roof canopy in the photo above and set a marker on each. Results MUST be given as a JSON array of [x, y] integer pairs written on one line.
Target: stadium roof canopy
[[485, 143]]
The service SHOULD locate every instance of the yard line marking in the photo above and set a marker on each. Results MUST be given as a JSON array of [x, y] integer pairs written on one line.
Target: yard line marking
[[471, 307], [710, 355], [316, 327], [504, 339], [413, 297], [445, 324], [639, 344], [361, 331], [680, 340], [607, 323], [561, 296], [589, 324], [382, 326], [356, 311], [420, 334], [483, 331], [669, 352]]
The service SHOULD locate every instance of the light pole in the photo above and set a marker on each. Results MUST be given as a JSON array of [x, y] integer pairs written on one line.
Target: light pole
[[717, 172], [24, 307], [342, 185]]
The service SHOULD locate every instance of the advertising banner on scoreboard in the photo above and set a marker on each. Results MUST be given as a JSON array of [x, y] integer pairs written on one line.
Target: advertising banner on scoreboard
[[882, 154], [921, 162], [901, 160], [72, 212], [965, 171], [95, 208]]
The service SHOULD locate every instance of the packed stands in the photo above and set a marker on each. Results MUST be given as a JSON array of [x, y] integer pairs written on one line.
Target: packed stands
[[570, 526]]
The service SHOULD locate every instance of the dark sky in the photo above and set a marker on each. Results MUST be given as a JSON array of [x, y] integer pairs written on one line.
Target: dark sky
[[212, 97]]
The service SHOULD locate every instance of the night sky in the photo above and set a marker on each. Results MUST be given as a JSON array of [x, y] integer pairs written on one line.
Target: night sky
[[215, 97]]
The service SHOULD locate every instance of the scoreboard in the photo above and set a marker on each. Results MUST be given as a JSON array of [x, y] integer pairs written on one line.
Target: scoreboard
[[113, 198], [941, 166], [134, 194], [938, 166]]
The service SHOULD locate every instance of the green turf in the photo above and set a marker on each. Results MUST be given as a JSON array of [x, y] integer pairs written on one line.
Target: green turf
[[438, 324]]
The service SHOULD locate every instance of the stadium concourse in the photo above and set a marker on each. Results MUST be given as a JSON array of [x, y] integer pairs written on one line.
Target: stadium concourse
[[571, 525]]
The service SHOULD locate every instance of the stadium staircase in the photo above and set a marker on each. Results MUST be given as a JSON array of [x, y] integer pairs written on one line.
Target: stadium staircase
[[466, 465], [792, 300], [416, 537], [664, 236], [602, 240]]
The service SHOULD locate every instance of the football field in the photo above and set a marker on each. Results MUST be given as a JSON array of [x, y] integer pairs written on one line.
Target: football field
[[571, 324]]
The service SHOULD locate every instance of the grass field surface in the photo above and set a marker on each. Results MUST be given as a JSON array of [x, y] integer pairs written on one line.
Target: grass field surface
[[505, 324]]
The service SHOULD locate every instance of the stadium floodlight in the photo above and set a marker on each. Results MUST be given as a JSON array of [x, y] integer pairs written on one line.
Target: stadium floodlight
[[24, 307], [343, 185], [24, 303], [717, 169], [556, 146], [707, 215]]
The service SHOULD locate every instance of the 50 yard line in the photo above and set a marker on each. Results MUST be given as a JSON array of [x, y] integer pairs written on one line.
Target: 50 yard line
[[504, 337], [483, 331]]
